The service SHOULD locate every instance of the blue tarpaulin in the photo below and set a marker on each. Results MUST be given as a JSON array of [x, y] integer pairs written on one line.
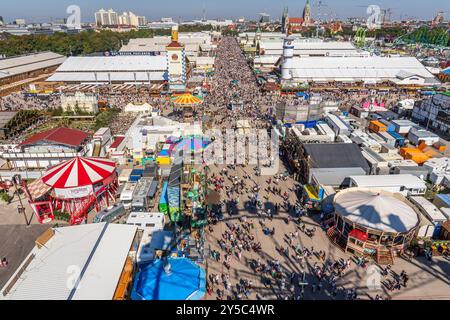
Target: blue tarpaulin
[[184, 281]]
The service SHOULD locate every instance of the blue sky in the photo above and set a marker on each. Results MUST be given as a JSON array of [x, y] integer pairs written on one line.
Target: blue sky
[[43, 10]]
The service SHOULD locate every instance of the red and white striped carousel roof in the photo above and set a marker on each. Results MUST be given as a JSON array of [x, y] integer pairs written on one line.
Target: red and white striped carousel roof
[[78, 172]]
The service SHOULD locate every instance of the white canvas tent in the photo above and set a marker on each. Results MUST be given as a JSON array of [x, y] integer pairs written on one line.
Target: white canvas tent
[[376, 209]]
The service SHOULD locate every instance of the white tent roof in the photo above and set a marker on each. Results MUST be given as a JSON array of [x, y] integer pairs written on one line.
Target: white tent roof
[[107, 76], [373, 67], [375, 209], [98, 249], [114, 64], [300, 45]]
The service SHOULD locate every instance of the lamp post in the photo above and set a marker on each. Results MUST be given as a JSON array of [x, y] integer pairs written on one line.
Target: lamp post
[[17, 180]]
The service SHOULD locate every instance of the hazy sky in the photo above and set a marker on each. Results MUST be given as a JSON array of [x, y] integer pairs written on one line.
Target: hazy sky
[[44, 10]]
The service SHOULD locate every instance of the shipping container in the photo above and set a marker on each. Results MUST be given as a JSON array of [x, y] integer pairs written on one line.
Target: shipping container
[[388, 139], [403, 126], [339, 126], [389, 125], [430, 211], [124, 175], [377, 126], [110, 214], [135, 175], [399, 139]]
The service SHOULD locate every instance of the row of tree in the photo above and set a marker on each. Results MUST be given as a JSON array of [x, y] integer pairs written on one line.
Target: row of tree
[[85, 42]]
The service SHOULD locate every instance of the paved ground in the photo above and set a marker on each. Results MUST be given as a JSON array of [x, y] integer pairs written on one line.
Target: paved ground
[[427, 280], [10, 216], [16, 242], [16, 238]]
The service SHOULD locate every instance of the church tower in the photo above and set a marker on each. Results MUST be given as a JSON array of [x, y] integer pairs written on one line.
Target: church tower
[[307, 14], [285, 20], [176, 63]]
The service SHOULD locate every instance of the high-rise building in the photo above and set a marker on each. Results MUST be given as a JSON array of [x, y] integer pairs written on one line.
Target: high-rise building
[[19, 21], [130, 19], [264, 17], [106, 18], [1, 21]]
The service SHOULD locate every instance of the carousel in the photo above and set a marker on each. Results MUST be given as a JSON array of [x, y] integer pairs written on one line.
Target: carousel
[[372, 222], [74, 188], [186, 104]]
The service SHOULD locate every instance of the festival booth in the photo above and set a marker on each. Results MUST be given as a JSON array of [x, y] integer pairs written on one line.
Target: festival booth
[[73, 187], [173, 194], [163, 201], [170, 279], [163, 157], [186, 103], [373, 222], [191, 145], [313, 195]]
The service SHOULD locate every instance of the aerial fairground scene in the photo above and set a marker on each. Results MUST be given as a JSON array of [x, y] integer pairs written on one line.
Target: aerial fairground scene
[[266, 152]]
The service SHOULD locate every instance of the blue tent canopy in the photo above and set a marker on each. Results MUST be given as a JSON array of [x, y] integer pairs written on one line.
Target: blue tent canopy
[[184, 281], [302, 94]]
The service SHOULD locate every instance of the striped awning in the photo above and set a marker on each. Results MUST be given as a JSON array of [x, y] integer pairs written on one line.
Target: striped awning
[[186, 99], [37, 189], [79, 172]]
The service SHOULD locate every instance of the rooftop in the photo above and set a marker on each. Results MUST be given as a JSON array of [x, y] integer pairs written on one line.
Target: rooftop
[[114, 64], [96, 251], [373, 67], [5, 117], [378, 210], [64, 136], [386, 180], [335, 155], [27, 63]]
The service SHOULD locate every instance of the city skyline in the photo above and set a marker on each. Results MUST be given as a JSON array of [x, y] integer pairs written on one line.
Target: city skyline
[[214, 9]]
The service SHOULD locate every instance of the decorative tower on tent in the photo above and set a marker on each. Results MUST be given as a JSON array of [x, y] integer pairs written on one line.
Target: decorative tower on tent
[[258, 40], [307, 14], [176, 63], [288, 55]]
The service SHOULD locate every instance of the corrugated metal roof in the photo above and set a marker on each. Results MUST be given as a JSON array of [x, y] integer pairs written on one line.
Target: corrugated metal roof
[[51, 273], [335, 155], [27, 59], [64, 136], [28, 63]]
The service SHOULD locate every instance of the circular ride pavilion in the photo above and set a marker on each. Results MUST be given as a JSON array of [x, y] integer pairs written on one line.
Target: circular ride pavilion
[[74, 187], [373, 222], [186, 104]]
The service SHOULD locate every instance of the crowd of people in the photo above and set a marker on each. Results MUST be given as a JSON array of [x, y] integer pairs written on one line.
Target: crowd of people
[[237, 184], [296, 270], [21, 101]]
